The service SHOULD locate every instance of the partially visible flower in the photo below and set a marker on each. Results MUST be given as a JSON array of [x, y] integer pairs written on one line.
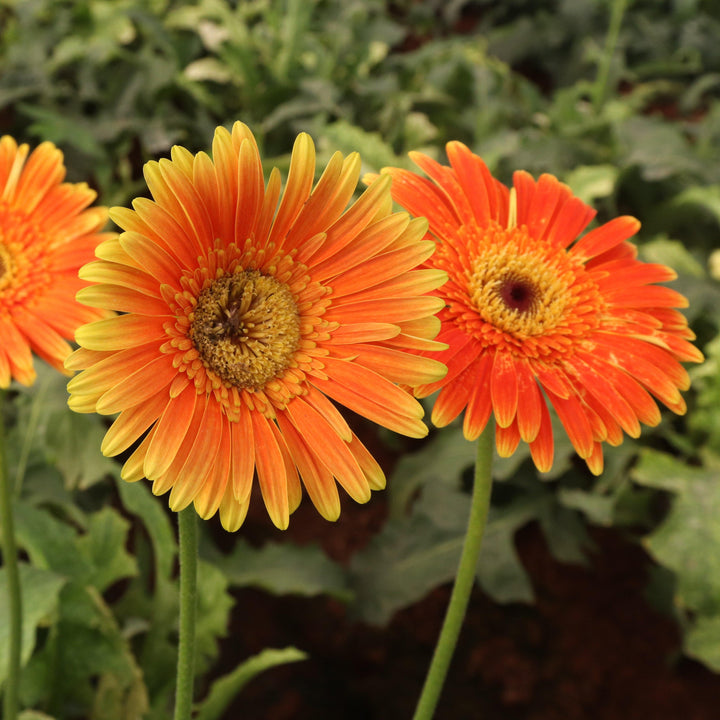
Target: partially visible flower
[[46, 235], [243, 317], [534, 314]]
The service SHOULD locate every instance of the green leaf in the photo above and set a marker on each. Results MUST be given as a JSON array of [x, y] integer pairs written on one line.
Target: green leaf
[[441, 460], [702, 641], [599, 509], [91, 658], [500, 572], [283, 569], [40, 591], [590, 182], [224, 690], [97, 557], [673, 253], [138, 500], [73, 446], [50, 543], [213, 610], [640, 139], [707, 198], [688, 540], [374, 151], [104, 546], [408, 558], [663, 471]]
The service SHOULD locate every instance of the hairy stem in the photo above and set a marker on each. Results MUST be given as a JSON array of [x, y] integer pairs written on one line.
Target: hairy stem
[[464, 580]]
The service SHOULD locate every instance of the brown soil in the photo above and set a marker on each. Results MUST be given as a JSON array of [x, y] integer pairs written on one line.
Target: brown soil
[[591, 648]]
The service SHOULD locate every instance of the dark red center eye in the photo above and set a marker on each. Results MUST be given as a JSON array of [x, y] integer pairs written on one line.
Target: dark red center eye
[[517, 294]]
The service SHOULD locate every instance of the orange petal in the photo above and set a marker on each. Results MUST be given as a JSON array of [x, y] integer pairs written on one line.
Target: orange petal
[[201, 458], [422, 198], [530, 403], [138, 387], [329, 412], [121, 299], [479, 405], [318, 480], [131, 424], [605, 237], [542, 448], [399, 367], [208, 500], [372, 396], [297, 187], [17, 355], [504, 389], [507, 439], [332, 451], [453, 398], [232, 511], [606, 394], [368, 243], [170, 432], [271, 472], [479, 185], [576, 423], [243, 455], [121, 332], [292, 479]]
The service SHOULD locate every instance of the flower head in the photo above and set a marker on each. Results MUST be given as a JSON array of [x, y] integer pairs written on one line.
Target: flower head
[[532, 313], [243, 316], [46, 234]]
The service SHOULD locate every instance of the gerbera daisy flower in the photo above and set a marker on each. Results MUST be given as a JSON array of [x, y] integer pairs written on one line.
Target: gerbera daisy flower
[[47, 231], [532, 313], [244, 317]]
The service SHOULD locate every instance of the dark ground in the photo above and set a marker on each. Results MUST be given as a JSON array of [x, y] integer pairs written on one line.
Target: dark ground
[[592, 647]]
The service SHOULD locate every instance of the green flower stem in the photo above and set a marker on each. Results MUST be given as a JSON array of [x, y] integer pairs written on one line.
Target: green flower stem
[[10, 563], [188, 532], [464, 580], [600, 89]]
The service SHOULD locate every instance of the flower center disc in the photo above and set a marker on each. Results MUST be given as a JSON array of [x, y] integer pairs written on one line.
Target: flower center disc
[[520, 288], [246, 328]]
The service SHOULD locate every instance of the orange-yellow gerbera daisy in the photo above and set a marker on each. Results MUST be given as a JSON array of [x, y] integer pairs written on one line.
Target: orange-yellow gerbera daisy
[[244, 317], [46, 235], [530, 311]]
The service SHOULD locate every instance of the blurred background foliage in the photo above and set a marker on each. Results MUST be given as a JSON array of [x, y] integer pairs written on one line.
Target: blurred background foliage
[[115, 83]]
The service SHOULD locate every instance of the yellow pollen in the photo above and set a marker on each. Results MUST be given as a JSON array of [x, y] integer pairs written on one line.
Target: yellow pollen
[[518, 288], [246, 328]]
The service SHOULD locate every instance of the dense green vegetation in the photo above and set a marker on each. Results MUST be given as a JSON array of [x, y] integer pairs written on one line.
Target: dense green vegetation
[[526, 85]]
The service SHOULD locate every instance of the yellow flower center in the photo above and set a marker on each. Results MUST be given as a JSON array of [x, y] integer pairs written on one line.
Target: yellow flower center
[[510, 290], [519, 290], [246, 328]]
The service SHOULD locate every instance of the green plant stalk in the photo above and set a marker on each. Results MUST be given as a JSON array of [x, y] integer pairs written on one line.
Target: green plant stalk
[[464, 580], [10, 562], [188, 533], [600, 89], [294, 27]]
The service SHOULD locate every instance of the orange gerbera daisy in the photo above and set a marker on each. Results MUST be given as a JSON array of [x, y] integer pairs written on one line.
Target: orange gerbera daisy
[[46, 234], [244, 317], [532, 310]]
